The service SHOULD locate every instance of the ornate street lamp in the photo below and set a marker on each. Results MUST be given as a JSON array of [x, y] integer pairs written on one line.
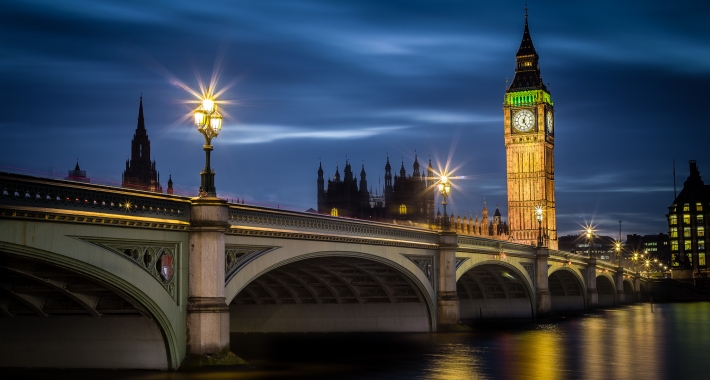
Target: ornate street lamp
[[590, 235], [617, 247], [445, 190], [538, 216], [209, 123]]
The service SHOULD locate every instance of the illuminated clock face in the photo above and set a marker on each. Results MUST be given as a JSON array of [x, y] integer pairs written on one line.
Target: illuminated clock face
[[549, 122], [523, 120]]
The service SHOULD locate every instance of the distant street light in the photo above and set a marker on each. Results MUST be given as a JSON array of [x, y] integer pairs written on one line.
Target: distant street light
[[538, 216], [445, 190], [209, 123]]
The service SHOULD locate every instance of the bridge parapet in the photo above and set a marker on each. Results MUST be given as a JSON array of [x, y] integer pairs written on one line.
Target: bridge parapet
[[23, 191], [263, 219], [475, 244]]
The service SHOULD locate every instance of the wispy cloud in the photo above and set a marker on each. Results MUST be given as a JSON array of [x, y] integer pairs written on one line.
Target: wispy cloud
[[260, 134]]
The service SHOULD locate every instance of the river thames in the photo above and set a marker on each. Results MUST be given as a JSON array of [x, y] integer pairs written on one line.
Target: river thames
[[644, 341]]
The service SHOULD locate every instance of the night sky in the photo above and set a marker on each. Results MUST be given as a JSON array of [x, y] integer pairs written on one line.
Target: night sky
[[359, 79]]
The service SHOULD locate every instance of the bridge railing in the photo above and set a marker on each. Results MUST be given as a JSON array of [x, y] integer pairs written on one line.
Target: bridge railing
[[247, 216], [481, 244], [22, 191]]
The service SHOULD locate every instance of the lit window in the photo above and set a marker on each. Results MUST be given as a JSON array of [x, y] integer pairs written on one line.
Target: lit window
[[699, 219], [686, 206], [687, 246], [701, 231], [701, 245], [334, 211], [674, 245], [673, 219], [701, 259], [402, 210], [686, 232], [699, 206], [674, 232], [686, 218]]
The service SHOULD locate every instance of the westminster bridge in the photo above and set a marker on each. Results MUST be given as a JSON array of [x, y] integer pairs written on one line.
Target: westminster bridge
[[95, 276]]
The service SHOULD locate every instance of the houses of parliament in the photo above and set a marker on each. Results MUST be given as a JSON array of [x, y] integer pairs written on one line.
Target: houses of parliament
[[529, 135]]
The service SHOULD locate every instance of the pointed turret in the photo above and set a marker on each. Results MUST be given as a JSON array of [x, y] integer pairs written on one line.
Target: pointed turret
[[321, 186], [170, 184], [402, 172], [416, 166]]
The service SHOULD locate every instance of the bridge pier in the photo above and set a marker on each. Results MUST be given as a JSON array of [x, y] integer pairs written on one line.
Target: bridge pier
[[207, 310], [619, 282], [542, 289], [447, 298], [592, 294], [637, 288]]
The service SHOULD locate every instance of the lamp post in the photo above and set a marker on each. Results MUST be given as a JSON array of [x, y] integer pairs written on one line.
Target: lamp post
[[538, 216], [209, 123], [617, 247], [445, 190], [590, 234], [635, 260]]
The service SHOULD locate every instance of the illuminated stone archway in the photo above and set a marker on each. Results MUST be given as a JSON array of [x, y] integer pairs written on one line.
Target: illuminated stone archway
[[493, 290], [330, 294], [54, 316], [567, 291]]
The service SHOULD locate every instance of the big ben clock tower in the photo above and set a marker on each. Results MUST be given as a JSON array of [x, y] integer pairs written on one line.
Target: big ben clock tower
[[529, 147]]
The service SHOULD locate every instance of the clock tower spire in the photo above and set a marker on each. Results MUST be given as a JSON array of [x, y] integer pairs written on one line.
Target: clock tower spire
[[529, 147]]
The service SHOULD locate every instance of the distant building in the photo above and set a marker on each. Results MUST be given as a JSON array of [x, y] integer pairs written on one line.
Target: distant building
[[404, 198], [657, 246], [140, 171], [77, 174], [602, 246], [687, 223]]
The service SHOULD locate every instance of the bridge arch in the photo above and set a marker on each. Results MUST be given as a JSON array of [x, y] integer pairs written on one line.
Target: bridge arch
[[331, 291], [567, 290], [134, 327], [494, 289], [606, 290]]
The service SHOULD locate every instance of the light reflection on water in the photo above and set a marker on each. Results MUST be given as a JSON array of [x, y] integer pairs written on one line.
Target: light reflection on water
[[633, 342]]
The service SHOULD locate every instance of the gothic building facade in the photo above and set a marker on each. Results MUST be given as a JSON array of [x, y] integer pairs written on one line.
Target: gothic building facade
[[140, 173], [405, 198], [529, 146]]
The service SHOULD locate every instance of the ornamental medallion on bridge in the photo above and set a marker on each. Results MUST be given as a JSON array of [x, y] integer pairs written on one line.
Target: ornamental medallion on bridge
[[156, 258], [166, 266]]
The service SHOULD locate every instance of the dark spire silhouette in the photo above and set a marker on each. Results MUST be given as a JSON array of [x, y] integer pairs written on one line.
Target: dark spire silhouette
[[527, 69], [141, 122]]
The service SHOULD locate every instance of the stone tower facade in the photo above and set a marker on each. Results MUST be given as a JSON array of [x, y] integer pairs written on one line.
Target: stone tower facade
[[140, 173], [529, 145]]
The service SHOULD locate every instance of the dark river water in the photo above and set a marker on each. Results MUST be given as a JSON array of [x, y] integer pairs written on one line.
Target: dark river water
[[664, 341]]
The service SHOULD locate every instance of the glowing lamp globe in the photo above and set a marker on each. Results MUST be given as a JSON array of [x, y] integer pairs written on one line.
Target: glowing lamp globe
[[208, 105], [200, 117], [216, 122]]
